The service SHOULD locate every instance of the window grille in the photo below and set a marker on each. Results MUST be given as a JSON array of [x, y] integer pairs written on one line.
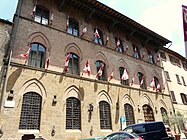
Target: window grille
[[129, 113], [73, 113], [31, 111], [148, 113], [105, 118]]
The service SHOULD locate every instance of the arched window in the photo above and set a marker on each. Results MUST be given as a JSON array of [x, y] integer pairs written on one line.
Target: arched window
[[119, 45], [37, 55], [150, 57], [73, 27], [73, 113], [105, 117], [121, 72], [30, 111], [42, 15], [142, 81], [98, 66], [164, 114], [73, 64], [98, 36], [129, 113], [148, 113], [136, 52]]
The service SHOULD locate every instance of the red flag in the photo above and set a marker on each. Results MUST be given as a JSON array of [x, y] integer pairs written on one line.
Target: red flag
[[26, 54], [152, 83], [100, 72], [67, 62], [184, 12], [51, 18], [158, 87], [84, 31], [47, 63], [142, 81], [67, 24], [87, 67], [111, 75], [125, 75], [107, 39], [96, 34], [33, 11]]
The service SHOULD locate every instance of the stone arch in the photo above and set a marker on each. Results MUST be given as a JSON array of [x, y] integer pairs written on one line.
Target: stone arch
[[103, 96], [128, 99], [33, 85], [122, 63], [163, 104], [73, 91], [145, 99], [40, 38], [72, 47], [102, 57]]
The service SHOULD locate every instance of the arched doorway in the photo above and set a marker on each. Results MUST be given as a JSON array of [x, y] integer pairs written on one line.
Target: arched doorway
[[148, 113]]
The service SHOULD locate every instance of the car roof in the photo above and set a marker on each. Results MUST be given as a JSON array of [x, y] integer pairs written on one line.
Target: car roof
[[144, 123]]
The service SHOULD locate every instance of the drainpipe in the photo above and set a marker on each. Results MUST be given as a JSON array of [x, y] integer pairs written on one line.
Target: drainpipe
[[9, 56]]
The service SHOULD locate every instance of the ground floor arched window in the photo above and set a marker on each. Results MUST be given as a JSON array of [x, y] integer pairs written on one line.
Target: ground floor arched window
[[148, 113], [129, 113]]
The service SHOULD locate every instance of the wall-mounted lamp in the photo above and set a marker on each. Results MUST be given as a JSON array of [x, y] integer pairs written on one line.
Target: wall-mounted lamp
[[117, 106], [54, 100], [138, 109], [156, 110], [90, 110], [10, 95], [53, 131]]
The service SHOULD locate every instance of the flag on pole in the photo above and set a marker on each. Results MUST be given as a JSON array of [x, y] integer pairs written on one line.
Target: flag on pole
[[25, 55], [111, 75], [96, 34], [84, 31], [107, 39], [47, 63], [152, 83], [100, 72], [33, 11], [51, 18], [67, 23], [67, 62], [87, 68], [158, 87], [142, 81], [118, 43], [125, 75]]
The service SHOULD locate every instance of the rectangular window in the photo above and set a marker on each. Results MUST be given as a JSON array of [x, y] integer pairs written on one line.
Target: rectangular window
[[167, 75], [184, 83], [178, 79], [184, 98], [173, 96]]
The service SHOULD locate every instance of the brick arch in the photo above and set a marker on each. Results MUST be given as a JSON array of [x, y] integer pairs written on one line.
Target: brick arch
[[155, 74], [73, 91], [72, 47], [33, 85], [102, 57], [103, 96], [122, 63], [40, 38], [128, 99], [140, 69]]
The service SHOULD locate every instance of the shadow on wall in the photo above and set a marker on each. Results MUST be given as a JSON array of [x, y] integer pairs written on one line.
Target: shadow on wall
[[12, 79]]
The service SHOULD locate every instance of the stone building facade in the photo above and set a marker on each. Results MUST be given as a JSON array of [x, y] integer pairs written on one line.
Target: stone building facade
[[51, 103], [175, 74]]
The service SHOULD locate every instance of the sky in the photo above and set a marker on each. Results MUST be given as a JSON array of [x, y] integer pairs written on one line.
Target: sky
[[164, 17]]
